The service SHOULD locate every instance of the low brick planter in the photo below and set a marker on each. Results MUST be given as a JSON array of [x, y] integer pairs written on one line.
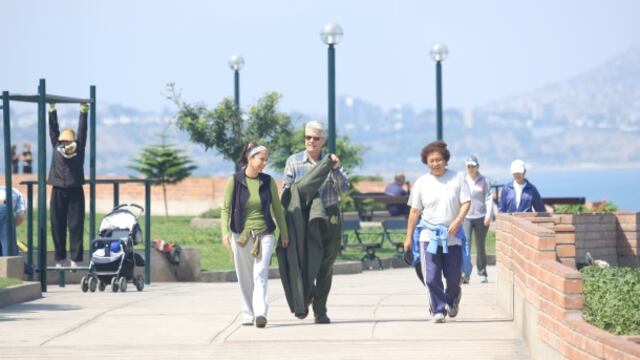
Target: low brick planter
[[539, 284]]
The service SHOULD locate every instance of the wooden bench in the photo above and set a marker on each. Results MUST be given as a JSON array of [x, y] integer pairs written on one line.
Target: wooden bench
[[353, 226], [366, 201]]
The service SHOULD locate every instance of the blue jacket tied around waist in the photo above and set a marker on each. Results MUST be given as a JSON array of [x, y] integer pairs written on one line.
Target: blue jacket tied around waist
[[438, 237]]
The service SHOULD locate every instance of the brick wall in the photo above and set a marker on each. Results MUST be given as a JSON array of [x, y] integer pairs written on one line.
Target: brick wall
[[192, 196], [627, 242], [538, 283]]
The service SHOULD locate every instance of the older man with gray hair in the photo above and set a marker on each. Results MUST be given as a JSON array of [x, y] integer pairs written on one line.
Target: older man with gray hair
[[328, 229]]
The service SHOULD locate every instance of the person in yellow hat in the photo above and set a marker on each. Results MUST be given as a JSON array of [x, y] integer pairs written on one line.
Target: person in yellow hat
[[66, 175]]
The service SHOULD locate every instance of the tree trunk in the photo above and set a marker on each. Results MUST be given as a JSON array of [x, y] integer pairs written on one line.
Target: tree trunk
[[164, 194]]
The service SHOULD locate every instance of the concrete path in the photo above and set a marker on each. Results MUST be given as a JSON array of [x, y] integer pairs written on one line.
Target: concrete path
[[376, 315]]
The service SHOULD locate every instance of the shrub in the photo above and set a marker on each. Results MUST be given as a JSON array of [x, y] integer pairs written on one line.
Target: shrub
[[603, 206], [612, 299], [211, 213]]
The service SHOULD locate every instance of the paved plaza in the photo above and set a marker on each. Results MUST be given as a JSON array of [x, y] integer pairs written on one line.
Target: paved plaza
[[375, 315]]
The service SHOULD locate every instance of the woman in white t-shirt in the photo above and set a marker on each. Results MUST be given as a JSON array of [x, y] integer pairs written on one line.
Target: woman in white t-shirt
[[439, 203]]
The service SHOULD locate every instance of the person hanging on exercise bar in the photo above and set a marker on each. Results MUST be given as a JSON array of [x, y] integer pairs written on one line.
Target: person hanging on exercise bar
[[66, 176]]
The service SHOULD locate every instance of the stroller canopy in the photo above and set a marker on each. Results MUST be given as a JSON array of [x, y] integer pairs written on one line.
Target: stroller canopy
[[122, 220]]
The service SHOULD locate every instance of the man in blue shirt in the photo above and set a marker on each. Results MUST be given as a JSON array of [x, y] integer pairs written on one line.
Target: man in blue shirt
[[18, 212], [396, 188], [520, 195]]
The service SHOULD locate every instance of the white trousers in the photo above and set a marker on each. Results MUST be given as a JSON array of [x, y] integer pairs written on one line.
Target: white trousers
[[253, 276]]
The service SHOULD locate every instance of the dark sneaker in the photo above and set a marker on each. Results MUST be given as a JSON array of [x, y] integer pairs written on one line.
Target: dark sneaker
[[465, 279], [302, 315], [261, 321], [322, 319], [452, 310]]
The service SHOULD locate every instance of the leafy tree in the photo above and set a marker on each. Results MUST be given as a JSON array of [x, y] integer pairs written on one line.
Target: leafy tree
[[165, 164], [227, 129]]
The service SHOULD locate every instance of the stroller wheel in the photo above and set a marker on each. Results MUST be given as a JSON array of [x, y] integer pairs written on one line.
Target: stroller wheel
[[122, 284], [101, 285], [93, 283], [139, 281], [114, 284], [84, 284]]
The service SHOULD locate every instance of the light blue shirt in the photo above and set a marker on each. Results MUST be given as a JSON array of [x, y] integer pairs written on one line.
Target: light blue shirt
[[18, 201]]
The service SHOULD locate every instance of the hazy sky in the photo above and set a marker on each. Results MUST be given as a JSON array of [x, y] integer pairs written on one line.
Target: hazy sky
[[131, 49]]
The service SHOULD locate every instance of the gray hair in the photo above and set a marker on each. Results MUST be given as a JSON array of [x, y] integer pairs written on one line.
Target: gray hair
[[315, 125]]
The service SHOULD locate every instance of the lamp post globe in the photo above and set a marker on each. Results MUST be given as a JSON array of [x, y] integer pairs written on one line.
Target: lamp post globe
[[439, 52], [331, 34], [236, 62]]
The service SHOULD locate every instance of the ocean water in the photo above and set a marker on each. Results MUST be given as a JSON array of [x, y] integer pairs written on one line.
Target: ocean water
[[620, 186]]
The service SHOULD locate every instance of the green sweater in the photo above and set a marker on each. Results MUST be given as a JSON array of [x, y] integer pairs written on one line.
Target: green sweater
[[253, 217]]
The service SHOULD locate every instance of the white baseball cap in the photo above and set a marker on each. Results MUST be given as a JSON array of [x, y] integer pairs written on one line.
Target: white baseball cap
[[472, 160], [518, 167]]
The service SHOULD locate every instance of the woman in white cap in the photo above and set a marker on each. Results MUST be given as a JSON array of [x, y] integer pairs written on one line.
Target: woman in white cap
[[520, 195], [477, 219], [251, 203]]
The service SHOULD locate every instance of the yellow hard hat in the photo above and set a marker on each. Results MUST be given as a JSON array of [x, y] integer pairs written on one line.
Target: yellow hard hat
[[67, 135]]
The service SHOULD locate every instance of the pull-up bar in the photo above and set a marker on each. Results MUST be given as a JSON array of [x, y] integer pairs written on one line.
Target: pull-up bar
[[49, 98], [42, 98]]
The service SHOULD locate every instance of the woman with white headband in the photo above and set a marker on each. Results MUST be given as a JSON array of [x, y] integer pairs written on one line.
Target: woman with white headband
[[251, 203]]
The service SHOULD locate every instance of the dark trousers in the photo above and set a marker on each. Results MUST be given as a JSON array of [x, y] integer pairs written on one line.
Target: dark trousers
[[329, 233], [434, 267], [67, 208], [477, 227]]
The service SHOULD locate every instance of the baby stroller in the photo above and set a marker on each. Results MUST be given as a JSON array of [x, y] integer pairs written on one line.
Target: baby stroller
[[113, 259]]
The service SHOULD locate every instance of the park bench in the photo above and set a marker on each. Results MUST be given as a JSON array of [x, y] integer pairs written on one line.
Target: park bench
[[395, 230], [363, 240], [366, 204]]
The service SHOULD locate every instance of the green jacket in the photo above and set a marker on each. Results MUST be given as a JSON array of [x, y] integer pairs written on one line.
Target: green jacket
[[300, 261]]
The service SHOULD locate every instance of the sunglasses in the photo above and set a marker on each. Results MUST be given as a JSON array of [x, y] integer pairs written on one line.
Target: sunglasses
[[315, 138]]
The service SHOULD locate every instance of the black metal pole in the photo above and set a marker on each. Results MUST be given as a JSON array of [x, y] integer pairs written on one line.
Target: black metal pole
[[236, 88], [236, 96], [116, 194], [147, 231], [332, 99], [8, 159], [42, 186], [92, 163], [439, 99], [30, 230]]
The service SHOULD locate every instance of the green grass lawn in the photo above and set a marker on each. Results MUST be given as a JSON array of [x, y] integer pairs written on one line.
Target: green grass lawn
[[214, 256], [6, 282]]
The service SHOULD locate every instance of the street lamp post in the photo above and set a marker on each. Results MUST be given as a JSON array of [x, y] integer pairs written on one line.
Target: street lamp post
[[439, 53], [236, 63], [331, 35]]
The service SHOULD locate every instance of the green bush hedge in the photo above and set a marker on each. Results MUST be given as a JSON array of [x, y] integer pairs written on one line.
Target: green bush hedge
[[612, 299]]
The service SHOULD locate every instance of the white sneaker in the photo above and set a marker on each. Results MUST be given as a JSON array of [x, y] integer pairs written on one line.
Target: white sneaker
[[60, 264], [72, 264], [438, 318], [484, 279]]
